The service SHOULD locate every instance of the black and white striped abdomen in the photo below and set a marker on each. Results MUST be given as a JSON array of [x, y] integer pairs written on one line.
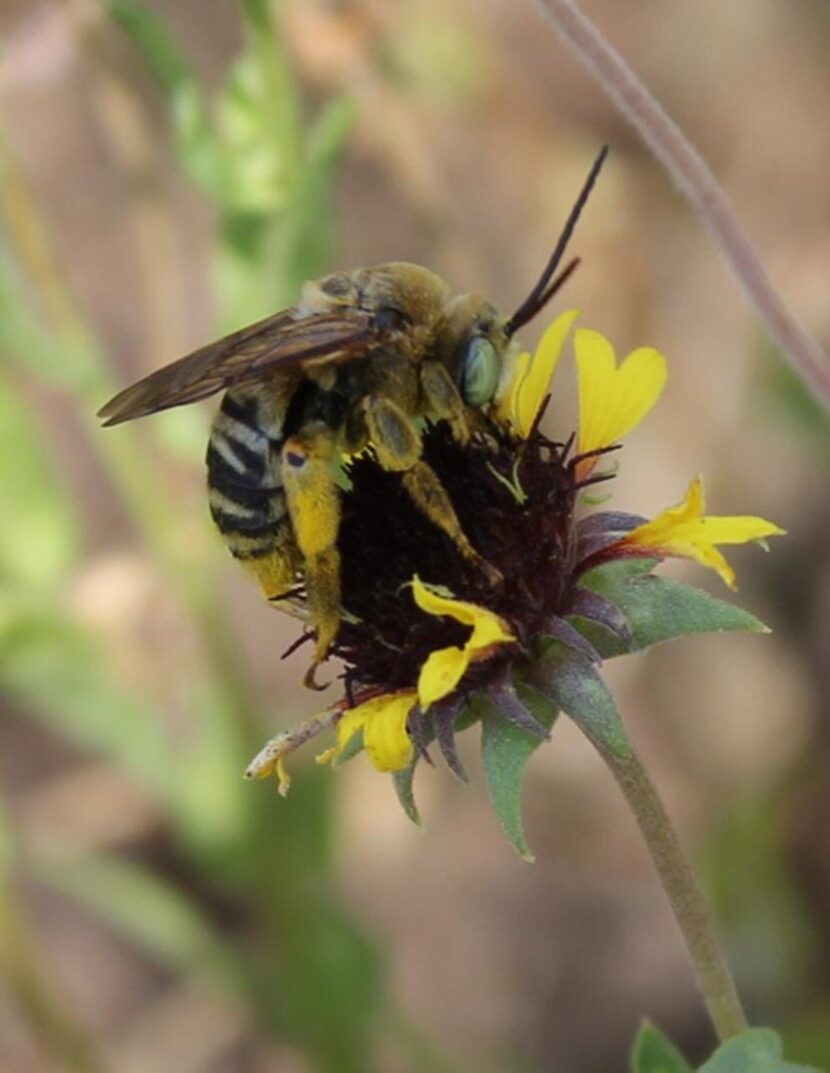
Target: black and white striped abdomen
[[247, 500]]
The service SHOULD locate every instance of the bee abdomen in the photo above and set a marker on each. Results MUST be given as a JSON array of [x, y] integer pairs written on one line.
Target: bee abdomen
[[246, 497]]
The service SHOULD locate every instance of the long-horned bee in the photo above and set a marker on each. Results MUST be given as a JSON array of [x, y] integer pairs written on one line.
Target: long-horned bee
[[361, 360]]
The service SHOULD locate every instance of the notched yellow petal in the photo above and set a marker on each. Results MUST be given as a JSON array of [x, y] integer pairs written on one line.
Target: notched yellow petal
[[613, 399]]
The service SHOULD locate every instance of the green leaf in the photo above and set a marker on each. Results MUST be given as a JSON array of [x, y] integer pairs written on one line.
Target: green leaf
[[161, 920], [573, 684], [654, 1053], [39, 538], [154, 41], [506, 750], [62, 676], [199, 149], [757, 1050], [657, 609]]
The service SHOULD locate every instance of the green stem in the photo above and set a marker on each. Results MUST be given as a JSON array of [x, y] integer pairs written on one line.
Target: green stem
[[689, 909]]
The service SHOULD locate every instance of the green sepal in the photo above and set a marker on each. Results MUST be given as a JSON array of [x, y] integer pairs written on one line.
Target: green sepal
[[352, 747], [506, 749], [757, 1050], [573, 684], [656, 608], [402, 781], [655, 1053]]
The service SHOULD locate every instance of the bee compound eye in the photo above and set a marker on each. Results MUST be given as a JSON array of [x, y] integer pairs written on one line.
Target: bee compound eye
[[480, 371], [391, 319]]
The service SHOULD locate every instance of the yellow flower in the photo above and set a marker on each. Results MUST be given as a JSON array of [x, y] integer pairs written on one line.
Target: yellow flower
[[383, 722], [526, 380], [685, 531], [613, 399], [445, 667]]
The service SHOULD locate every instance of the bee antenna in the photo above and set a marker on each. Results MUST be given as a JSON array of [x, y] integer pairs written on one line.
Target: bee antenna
[[545, 289]]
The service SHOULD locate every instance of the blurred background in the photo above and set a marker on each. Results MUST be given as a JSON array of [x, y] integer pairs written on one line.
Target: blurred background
[[172, 170]]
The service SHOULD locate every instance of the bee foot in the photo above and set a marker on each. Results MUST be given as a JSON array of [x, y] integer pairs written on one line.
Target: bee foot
[[309, 680]]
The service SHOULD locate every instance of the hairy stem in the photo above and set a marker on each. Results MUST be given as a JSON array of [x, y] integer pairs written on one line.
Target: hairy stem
[[696, 181], [713, 975]]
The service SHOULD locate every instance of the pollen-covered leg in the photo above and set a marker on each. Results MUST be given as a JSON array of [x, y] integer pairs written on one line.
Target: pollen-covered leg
[[430, 496], [398, 447], [444, 400], [314, 506], [276, 570]]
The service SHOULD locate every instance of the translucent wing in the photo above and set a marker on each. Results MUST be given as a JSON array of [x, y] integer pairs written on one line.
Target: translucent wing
[[284, 339]]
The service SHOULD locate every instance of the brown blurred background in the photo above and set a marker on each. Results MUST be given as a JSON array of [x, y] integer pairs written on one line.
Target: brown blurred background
[[138, 664]]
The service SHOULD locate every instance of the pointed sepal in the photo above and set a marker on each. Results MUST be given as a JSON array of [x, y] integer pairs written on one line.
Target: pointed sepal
[[506, 748], [656, 608], [655, 1053], [572, 683]]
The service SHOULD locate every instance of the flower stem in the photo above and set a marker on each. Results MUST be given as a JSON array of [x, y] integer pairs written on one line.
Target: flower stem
[[695, 180], [713, 975]]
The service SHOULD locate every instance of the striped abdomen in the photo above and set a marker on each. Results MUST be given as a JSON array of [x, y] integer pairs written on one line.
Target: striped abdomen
[[246, 496]]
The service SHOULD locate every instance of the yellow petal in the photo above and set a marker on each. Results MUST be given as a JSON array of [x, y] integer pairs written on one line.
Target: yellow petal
[[488, 628], [514, 370], [536, 384], [384, 736], [441, 673], [383, 722], [613, 400], [525, 381], [684, 531]]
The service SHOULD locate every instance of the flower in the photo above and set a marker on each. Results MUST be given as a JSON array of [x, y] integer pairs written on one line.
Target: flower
[[426, 629], [686, 532]]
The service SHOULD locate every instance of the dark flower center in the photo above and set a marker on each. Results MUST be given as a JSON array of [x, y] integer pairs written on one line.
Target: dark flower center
[[515, 502]]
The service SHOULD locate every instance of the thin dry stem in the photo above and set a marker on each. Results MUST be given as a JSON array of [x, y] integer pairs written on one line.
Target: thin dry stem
[[713, 975], [695, 179]]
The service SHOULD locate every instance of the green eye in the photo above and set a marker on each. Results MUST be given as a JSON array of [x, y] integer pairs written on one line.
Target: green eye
[[480, 372]]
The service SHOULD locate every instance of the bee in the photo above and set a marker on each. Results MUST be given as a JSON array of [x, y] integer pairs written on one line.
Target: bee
[[362, 360]]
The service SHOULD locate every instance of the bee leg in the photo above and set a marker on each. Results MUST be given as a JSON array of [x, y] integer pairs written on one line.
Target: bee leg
[[314, 507], [443, 399], [398, 447]]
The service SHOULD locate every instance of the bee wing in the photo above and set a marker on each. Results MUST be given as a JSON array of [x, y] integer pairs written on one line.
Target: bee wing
[[283, 340]]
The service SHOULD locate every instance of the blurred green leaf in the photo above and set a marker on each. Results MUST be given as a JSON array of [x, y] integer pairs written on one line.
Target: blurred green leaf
[[24, 338], [757, 1050], [209, 794], [574, 685], [654, 1053], [150, 35], [657, 609], [506, 750], [198, 148], [160, 919], [60, 674], [39, 538], [330, 993]]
